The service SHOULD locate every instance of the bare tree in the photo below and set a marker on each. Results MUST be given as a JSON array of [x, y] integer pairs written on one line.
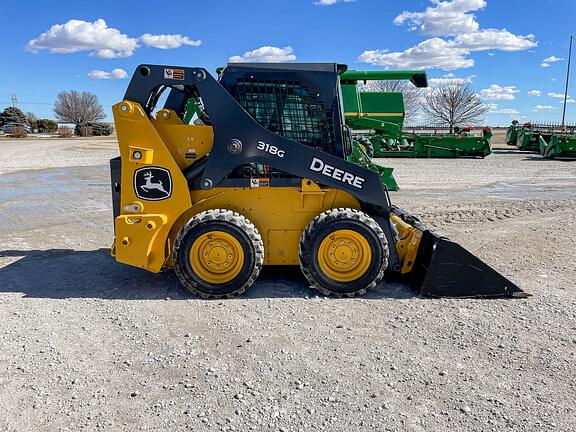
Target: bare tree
[[412, 95], [78, 108], [454, 103], [32, 120]]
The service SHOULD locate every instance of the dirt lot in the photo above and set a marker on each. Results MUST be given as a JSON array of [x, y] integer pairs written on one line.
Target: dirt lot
[[88, 344]]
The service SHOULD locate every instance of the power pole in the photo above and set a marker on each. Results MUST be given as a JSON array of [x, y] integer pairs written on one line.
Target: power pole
[[567, 79], [14, 101]]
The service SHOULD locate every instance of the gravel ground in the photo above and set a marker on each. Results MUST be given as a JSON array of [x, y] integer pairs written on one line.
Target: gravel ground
[[89, 344]]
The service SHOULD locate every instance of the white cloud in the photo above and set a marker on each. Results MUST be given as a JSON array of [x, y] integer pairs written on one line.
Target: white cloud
[[494, 109], [560, 96], [501, 40], [556, 95], [507, 111], [452, 19], [534, 93], [552, 59], [100, 40], [167, 41], [449, 79], [542, 108], [444, 18], [331, 2], [544, 65], [114, 74], [431, 53], [496, 92], [77, 35], [265, 54]]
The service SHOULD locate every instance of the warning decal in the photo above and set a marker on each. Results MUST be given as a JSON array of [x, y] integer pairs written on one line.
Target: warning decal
[[174, 74], [259, 182]]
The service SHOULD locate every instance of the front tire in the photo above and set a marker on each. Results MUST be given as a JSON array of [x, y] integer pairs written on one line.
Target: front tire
[[368, 146], [343, 252], [218, 253]]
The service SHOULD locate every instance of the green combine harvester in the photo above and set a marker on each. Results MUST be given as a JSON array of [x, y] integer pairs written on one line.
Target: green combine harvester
[[377, 118], [550, 140]]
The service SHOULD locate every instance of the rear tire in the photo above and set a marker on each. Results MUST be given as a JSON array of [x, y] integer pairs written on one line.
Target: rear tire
[[343, 252], [217, 254]]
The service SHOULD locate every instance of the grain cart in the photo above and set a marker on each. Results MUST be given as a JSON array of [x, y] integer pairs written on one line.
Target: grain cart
[[378, 119], [238, 189]]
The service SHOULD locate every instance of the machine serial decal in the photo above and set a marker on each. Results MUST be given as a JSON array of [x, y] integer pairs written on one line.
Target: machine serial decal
[[327, 170], [152, 183], [174, 74]]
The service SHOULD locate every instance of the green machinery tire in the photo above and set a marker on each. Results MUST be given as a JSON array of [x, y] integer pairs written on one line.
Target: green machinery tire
[[368, 146]]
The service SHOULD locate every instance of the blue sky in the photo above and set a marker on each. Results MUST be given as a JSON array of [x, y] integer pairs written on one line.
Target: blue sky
[[500, 47]]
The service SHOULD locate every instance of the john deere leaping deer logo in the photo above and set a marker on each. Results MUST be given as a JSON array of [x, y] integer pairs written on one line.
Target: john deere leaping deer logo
[[152, 183]]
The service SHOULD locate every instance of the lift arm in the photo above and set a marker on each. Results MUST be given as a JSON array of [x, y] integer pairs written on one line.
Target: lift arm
[[239, 139]]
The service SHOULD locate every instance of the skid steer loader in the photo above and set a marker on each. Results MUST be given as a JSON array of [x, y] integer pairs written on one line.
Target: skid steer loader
[[260, 177]]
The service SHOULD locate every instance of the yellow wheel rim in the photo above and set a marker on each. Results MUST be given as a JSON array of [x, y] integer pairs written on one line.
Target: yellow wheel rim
[[216, 257], [344, 255]]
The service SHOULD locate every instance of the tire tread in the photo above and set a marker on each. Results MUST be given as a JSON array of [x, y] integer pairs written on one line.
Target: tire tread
[[239, 221], [328, 216]]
